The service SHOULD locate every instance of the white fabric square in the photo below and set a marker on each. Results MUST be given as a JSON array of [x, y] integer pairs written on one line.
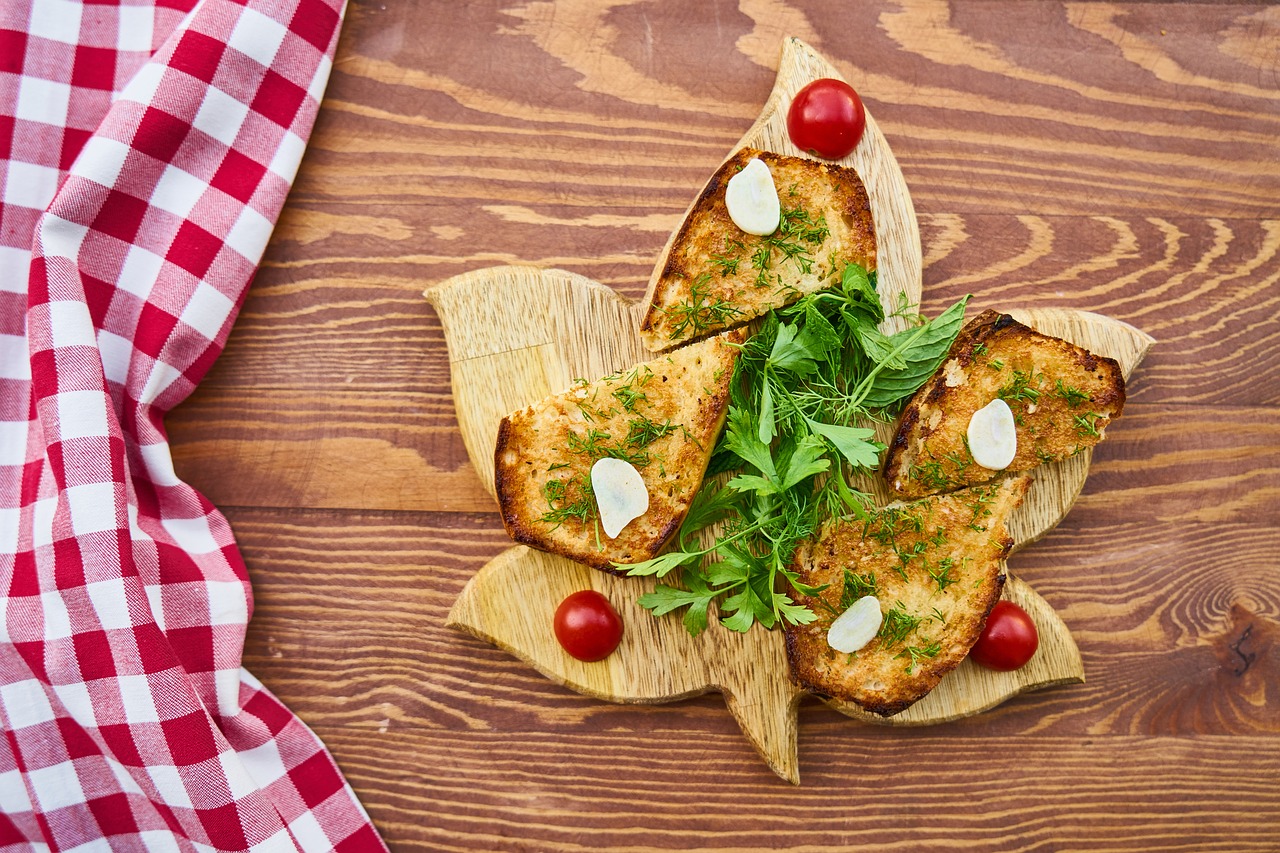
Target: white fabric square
[[158, 381], [15, 266], [57, 621], [155, 598], [93, 508], [250, 234], [110, 602], [29, 185], [288, 155], [309, 834], [257, 36], [56, 20], [177, 191], [13, 442], [9, 519], [140, 270], [25, 704], [42, 521], [136, 26], [207, 311], [169, 785], [227, 604], [44, 101], [226, 687], [116, 355], [13, 793], [136, 699], [77, 702], [81, 414], [158, 841], [238, 779], [60, 238], [124, 778], [321, 79], [192, 535], [56, 787], [15, 358], [96, 845], [102, 159], [220, 116], [280, 842], [263, 763], [158, 460], [71, 325], [141, 89]]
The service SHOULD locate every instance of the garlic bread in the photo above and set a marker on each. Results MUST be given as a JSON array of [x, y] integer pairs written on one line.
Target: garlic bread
[[1061, 395], [935, 566], [716, 276], [662, 417]]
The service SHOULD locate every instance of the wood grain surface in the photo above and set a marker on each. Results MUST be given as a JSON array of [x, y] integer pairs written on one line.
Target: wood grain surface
[[1118, 158]]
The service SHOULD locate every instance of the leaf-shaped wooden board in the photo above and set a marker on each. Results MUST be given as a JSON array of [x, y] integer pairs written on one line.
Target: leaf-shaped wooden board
[[518, 333]]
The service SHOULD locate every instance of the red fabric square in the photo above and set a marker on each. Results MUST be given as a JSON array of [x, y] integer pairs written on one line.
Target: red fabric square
[[223, 827], [315, 21], [193, 249], [73, 140], [154, 653], [97, 295], [113, 815], [120, 216], [93, 651], [6, 142], [13, 49], [160, 134], [189, 738], [359, 841], [94, 68], [278, 99], [119, 740], [198, 55], [68, 572], [76, 740], [238, 176], [316, 780], [194, 647], [155, 325]]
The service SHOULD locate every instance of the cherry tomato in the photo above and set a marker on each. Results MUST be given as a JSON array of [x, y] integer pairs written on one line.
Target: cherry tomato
[[1009, 639], [587, 626], [827, 118]]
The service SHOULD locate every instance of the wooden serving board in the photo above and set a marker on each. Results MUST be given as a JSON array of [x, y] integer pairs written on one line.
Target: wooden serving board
[[517, 334]]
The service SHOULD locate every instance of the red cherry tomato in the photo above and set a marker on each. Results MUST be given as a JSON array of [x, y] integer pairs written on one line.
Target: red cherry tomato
[[827, 118], [1009, 639], [587, 626]]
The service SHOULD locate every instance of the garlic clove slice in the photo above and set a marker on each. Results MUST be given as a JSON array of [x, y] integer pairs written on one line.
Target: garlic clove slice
[[993, 436], [857, 626], [621, 495], [752, 199]]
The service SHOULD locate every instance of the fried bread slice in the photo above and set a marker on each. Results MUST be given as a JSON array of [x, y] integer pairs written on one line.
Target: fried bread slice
[[717, 276], [662, 416], [936, 567], [1062, 397]]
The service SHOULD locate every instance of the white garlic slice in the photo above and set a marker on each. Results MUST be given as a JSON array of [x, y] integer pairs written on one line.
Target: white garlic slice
[[621, 495], [752, 199], [993, 437], [857, 626]]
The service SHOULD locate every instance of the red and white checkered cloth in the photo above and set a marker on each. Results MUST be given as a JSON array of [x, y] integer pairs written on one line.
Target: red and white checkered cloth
[[147, 147]]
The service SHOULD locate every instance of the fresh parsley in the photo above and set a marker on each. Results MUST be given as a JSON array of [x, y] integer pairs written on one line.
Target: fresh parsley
[[803, 386]]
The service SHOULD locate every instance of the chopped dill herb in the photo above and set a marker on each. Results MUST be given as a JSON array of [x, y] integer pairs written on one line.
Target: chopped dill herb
[[897, 625], [700, 313], [1019, 388], [1087, 424], [916, 653], [1073, 396], [856, 586]]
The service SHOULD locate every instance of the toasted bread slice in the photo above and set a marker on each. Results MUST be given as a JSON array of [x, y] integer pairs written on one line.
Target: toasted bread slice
[[1062, 397], [662, 416], [717, 276], [936, 567]]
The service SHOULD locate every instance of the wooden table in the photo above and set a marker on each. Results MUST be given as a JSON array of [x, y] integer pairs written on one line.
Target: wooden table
[[1118, 158]]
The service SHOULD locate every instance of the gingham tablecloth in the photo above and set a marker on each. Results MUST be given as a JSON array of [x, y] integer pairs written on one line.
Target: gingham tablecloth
[[146, 148]]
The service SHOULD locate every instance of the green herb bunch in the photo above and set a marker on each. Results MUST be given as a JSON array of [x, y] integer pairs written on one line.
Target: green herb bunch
[[803, 382]]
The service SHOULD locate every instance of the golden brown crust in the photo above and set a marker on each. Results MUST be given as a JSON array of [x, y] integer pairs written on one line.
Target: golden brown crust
[[938, 561], [712, 252], [544, 453], [1063, 397]]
